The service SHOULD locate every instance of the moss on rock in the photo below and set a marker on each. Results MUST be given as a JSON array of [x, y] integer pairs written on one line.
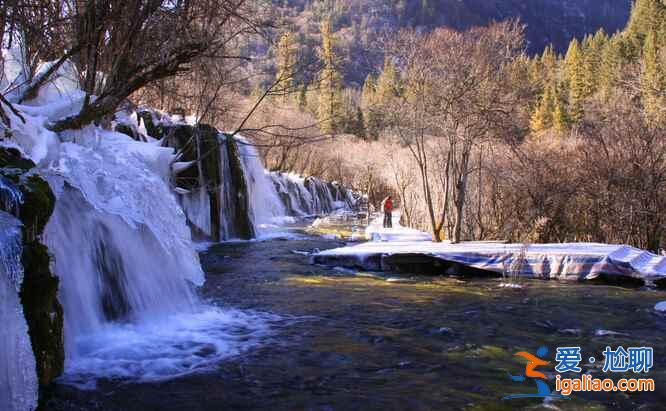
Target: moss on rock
[[37, 207], [241, 216], [43, 312]]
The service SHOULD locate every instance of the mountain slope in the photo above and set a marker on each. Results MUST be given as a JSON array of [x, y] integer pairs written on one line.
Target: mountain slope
[[548, 21]]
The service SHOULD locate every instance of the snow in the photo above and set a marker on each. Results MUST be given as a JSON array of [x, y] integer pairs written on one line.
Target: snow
[[14, 72], [376, 232], [660, 307], [63, 86], [557, 261]]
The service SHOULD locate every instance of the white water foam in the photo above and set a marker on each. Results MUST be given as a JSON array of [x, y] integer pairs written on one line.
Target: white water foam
[[167, 347]]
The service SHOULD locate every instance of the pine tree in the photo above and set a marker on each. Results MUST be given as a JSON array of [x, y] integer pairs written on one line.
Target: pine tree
[[369, 107], [647, 16], [548, 65], [535, 72], [576, 81], [612, 64], [593, 47], [329, 112], [560, 115], [542, 118], [286, 64], [388, 83], [357, 125], [653, 80], [303, 98]]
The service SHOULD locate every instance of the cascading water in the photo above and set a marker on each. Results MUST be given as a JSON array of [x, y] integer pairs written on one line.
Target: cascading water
[[10, 197], [123, 253], [311, 196], [223, 187], [241, 196], [128, 267], [294, 195], [266, 206], [18, 375]]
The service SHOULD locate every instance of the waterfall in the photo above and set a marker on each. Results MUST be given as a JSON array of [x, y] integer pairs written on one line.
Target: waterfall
[[11, 197], [266, 206], [109, 270], [311, 196], [224, 189], [122, 251], [128, 268], [234, 197], [18, 375]]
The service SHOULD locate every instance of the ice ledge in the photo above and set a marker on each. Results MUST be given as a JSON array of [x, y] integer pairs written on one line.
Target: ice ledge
[[566, 261]]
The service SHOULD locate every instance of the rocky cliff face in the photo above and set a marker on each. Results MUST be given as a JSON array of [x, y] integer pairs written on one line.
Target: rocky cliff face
[[548, 21]]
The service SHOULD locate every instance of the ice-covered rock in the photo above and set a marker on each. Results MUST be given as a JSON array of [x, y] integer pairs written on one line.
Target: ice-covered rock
[[660, 307], [566, 261]]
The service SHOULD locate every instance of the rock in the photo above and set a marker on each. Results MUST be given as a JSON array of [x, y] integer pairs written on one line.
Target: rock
[[10, 158], [609, 333], [243, 226], [570, 331], [127, 130], [154, 130], [442, 331], [43, 312]]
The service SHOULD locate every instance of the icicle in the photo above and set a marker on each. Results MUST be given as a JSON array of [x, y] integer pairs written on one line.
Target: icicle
[[18, 378]]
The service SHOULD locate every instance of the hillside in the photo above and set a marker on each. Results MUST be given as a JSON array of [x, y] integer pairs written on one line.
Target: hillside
[[554, 22]]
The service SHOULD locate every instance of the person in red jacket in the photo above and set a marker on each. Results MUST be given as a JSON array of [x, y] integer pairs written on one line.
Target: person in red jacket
[[387, 206]]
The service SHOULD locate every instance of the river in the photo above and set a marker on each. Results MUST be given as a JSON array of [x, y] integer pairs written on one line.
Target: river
[[343, 340]]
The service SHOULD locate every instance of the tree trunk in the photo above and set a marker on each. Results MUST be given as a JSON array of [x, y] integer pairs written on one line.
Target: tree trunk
[[461, 188]]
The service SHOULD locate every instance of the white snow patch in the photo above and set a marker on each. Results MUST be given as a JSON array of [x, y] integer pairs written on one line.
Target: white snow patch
[[376, 232]]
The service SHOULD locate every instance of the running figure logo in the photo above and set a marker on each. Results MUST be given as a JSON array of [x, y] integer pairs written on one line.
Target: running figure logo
[[533, 362]]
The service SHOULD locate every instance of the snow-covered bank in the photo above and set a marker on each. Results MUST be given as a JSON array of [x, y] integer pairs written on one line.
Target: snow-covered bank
[[376, 231], [574, 261]]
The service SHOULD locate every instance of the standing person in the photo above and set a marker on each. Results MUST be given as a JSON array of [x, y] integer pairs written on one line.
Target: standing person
[[387, 207]]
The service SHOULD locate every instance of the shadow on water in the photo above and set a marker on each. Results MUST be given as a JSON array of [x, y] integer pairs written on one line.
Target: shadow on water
[[369, 341]]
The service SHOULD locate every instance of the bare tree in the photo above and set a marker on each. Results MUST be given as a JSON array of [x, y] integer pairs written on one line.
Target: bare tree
[[454, 100]]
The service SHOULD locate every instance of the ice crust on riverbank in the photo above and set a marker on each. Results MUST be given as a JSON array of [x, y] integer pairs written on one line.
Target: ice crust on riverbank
[[566, 261]]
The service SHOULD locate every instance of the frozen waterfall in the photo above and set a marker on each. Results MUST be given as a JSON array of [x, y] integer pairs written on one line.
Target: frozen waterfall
[[18, 375], [310, 196]]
